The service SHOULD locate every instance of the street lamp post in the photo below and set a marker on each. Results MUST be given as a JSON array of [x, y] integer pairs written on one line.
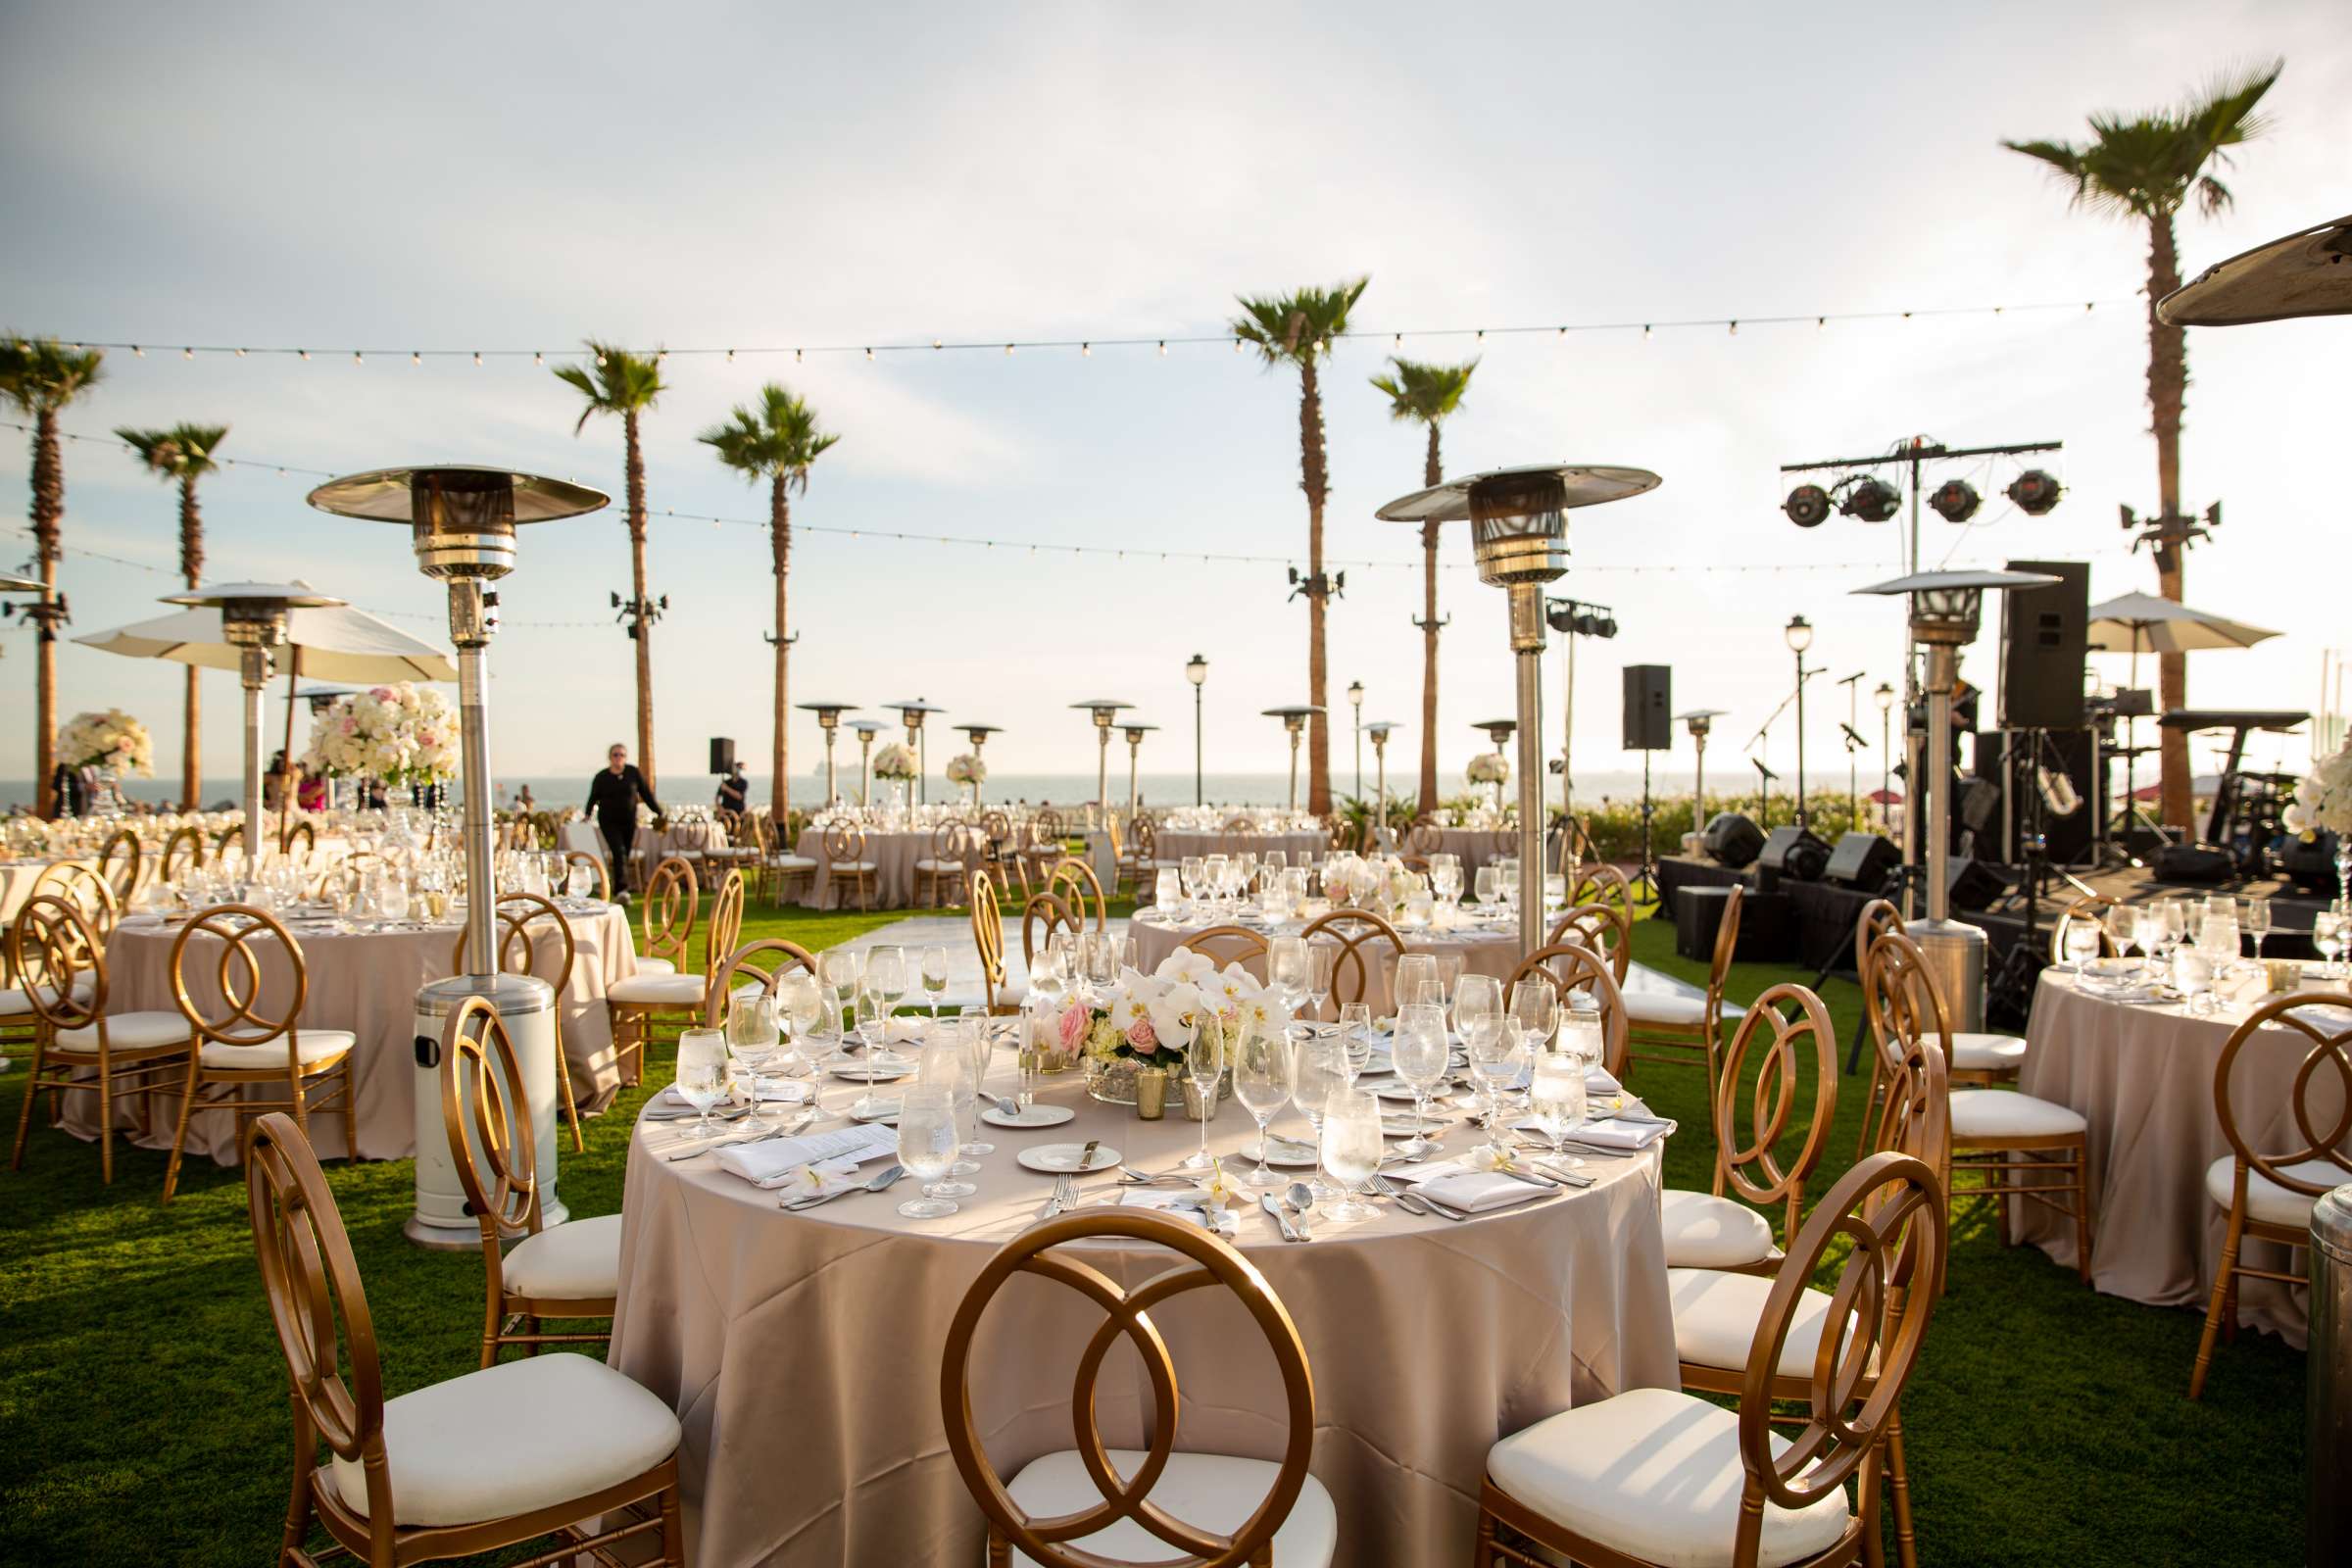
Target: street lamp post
[[1294, 719], [1801, 637], [828, 720], [1195, 670], [1380, 730], [1135, 747], [1355, 700], [867, 729], [1519, 536], [1886, 700], [253, 621], [1107, 714]]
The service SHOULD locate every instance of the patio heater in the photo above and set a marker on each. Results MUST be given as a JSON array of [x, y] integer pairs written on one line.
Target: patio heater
[[978, 735], [1698, 721], [462, 522], [1380, 730], [1107, 714], [828, 720], [1519, 536], [1295, 720], [867, 729], [253, 621], [1946, 607], [911, 715], [1135, 747], [1498, 735]]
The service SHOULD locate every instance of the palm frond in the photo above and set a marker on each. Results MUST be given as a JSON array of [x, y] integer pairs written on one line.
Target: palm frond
[[777, 437], [1423, 393], [1293, 328], [615, 381], [41, 375], [2150, 164]]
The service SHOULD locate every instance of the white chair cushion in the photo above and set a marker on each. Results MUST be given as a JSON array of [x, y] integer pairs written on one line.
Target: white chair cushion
[[128, 1031], [675, 989], [2265, 1200], [513, 1439], [792, 862], [852, 868], [656, 967], [1979, 1052], [14, 1004], [1703, 1231], [578, 1260], [316, 1045], [1979, 1114], [955, 867], [1209, 1491], [1657, 1007], [1654, 1474], [1715, 1317]]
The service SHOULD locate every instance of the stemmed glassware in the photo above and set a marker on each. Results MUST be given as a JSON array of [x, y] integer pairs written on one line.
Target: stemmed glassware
[[752, 1041], [1261, 1082], [886, 976], [2327, 936], [1286, 972], [2192, 977], [1446, 877], [1321, 956], [927, 1149], [2082, 942], [1416, 980], [837, 974], [2254, 917], [1556, 1095], [800, 1004], [1318, 1071], [1486, 884], [1350, 1143], [701, 1073], [1420, 1056], [946, 1065], [978, 1046], [1204, 1065], [1355, 1037], [1497, 1055], [1212, 871], [1478, 996], [935, 977]]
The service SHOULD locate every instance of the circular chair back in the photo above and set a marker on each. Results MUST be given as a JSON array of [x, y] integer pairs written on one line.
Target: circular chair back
[[183, 852], [1901, 1001], [1213, 1264], [1041, 917], [301, 833], [230, 835], [743, 970], [1225, 945], [51, 944], [1425, 838], [1354, 931], [672, 904], [2094, 909], [241, 975], [596, 864], [520, 917], [489, 1122], [2320, 1100], [1576, 846], [988, 931], [1074, 882], [1046, 828], [845, 844], [122, 862], [1573, 967], [1747, 1160], [1602, 928], [726, 924], [93, 893], [1603, 883]]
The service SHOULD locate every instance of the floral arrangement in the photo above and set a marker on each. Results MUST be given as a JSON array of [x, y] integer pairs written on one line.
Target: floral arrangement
[[403, 734], [2323, 799], [1489, 767], [112, 739], [893, 761], [967, 770], [1148, 1017]]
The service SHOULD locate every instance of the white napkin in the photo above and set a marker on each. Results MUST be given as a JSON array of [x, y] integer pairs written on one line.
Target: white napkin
[[1598, 1081], [820, 1180], [1623, 1134], [1475, 1192], [776, 1161], [1188, 1206]]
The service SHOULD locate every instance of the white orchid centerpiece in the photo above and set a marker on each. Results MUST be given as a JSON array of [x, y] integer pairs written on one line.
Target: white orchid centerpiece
[[1152, 1018], [1489, 767], [2323, 800], [966, 769], [895, 760], [401, 734], [111, 740]]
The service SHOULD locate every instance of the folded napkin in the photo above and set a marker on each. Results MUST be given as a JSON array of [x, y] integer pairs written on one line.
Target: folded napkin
[[1598, 1081], [1475, 1192], [1615, 1134], [1193, 1206], [776, 1161], [822, 1179]]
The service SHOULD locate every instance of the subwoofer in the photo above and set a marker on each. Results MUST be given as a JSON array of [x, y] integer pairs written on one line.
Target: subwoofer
[[1972, 884], [2201, 864], [1862, 861], [1794, 853], [1732, 840], [2308, 860]]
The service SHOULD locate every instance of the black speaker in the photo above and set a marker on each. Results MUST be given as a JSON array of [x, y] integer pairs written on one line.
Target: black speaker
[[1794, 853], [1862, 861], [2201, 864], [722, 754], [2043, 638], [1649, 708], [1732, 840], [1972, 884], [2308, 860]]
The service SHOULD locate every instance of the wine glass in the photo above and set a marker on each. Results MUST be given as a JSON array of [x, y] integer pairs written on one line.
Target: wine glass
[[1556, 1095], [978, 1045], [701, 1073], [1479, 995], [2082, 942], [872, 1013], [1349, 1141], [1204, 1064], [1287, 970], [1193, 869], [579, 881], [1450, 977], [1534, 1008], [1485, 884], [927, 1149], [1420, 1057], [1416, 979], [934, 964], [1321, 958], [2192, 977], [1493, 1041], [1273, 862], [1318, 1070], [946, 1063], [1261, 1082], [802, 1006], [2254, 917], [1212, 871], [2147, 929], [837, 973], [750, 1041], [1446, 877], [2328, 937], [1355, 1037], [886, 974]]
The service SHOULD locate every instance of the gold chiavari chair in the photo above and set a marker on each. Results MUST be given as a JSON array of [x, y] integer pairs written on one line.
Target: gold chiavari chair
[[946, 865], [1656, 1476], [596, 865], [1074, 882], [87, 890], [183, 852], [1684, 1029], [779, 860], [1600, 882], [1572, 966], [436, 1472], [520, 915], [227, 838], [1139, 859], [123, 863], [741, 975], [638, 1004], [1337, 830], [2094, 909], [2016, 1144], [129, 1057], [1043, 915], [1354, 932], [245, 1044], [1425, 839], [1723, 1230], [533, 1271], [1226, 945], [1071, 1509], [2270, 1195], [1878, 917], [1045, 847], [1975, 1057], [988, 941], [298, 832], [667, 916], [1602, 928], [844, 856]]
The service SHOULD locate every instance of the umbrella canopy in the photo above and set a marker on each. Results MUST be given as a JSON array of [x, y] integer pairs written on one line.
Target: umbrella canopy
[[337, 643], [2149, 624], [1885, 797], [2308, 273]]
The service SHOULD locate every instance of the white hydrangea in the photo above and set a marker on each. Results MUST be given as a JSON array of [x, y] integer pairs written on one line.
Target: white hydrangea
[[967, 770], [1489, 767], [405, 733], [893, 761], [112, 739], [2323, 799]]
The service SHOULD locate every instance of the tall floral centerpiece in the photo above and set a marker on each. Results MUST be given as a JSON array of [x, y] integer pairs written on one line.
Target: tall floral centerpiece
[[1491, 768], [896, 763], [2323, 804], [108, 747], [1150, 1021], [969, 770], [405, 735]]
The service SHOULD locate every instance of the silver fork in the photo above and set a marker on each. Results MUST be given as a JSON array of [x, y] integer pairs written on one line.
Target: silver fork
[[1065, 1189]]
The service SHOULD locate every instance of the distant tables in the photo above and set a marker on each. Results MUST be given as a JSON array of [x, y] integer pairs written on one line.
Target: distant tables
[[1172, 844], [1484, 950]]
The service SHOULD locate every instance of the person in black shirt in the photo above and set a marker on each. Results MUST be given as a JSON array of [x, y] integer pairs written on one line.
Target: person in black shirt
[[734, 791], [613, 796]]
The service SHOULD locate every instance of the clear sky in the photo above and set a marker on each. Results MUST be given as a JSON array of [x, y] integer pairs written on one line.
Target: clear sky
[[520, 176]]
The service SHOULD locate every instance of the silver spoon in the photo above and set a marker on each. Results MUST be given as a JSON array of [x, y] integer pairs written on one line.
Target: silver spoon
[[1300, 1200]]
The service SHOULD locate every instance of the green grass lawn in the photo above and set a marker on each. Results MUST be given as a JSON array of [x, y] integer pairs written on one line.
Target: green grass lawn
[[143, 1414]]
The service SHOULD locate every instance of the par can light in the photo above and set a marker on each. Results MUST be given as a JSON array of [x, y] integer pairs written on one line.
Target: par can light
[[2034, 492], [1807, 505], [1872, 501], [1955, 499]]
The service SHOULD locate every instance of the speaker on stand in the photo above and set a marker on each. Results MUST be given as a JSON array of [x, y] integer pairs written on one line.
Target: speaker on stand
[[722, 755], [1649, 727]]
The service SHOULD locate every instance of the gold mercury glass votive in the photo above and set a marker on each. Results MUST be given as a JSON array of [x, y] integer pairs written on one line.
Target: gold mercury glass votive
[[1150, 1092]]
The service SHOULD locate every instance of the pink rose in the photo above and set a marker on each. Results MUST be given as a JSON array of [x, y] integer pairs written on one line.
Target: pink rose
[[1142, 1037], [1073, 1028]]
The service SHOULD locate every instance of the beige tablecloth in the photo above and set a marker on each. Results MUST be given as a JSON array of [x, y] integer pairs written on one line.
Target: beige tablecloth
[[676, 839], [897, 885], [367, 983], [2142, 1076], [1476, 845], [802, 1351], [1171, 845], [17, 879], [1482, 951]]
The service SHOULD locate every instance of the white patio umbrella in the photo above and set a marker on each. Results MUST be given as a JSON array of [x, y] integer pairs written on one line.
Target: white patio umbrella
[[330, 641], [2135, 624]]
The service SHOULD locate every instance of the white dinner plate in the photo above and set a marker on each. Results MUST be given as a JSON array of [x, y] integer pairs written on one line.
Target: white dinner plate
[[1061, 1159], [1285, 1153], [876, 1107], [870, 1073], [1401, 1093], [1034, 1116]]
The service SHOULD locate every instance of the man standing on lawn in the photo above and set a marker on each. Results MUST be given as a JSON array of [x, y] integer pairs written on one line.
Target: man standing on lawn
[[613, 796]]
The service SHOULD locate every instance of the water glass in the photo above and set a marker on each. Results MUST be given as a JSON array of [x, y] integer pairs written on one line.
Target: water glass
[[1318, 1071], [1556, 1095], [2082, 942], [701, 1080], [1478, 996], [2192, 977], [945, 1063], [750, 1041], [800, 1004], [1421, 1057], [1355, 1037], [2327, 936], [1167, 889], [927, 1149], [1350, 1143], [1417, 980], [2254, 918], [1486, 884], [1261, 1082], [1287, 970]]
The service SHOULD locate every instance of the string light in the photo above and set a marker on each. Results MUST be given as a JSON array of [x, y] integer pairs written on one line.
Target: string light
[[305, 353], [1735, 329], [357, 358], [137, 352], [478, 358], [730, 356], [1086, 351], [1163, 348], [415, 358], [1007, 348], [187, 354], [537, 358]]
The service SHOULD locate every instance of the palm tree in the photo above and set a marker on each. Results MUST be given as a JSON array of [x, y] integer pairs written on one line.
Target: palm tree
[[1427, 394], [2146, 167], [1298, 329], [776, 441], [185, 454], [628, 384], [40, 377]]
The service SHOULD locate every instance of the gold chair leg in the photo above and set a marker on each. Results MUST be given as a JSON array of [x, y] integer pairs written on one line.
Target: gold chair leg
[[106, 1125], [1898, 1490], [571, 1106], [1870, 1109], [180, 1131], [32, 1092], [2082, 1231]]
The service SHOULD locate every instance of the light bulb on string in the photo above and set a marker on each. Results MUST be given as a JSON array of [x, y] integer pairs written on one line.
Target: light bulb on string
[[478, 357], [240, 354], [537, 358], [1163, 348], [304, 354], [1086, 351], [1008, 350], [1734, 327], [137, 352], [730, 356], [600, 361], [187, 354], [415, 358], [357, 358], [869, 356], [796, 355]]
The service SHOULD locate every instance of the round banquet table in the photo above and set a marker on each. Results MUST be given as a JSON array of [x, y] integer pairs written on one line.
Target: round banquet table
[[1476, 845], [1171, 845], [892, 856], [1483, 950], [684, 835], [17, 879], [2141, 1074], [367, 982], [802, 1351]]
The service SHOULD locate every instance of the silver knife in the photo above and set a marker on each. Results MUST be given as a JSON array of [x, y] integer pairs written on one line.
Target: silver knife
[[1267, 1202]]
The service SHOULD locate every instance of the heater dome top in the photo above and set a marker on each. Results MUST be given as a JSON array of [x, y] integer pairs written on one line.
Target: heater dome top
[[10, 583], [1587, 485], [1928, 583], [2304, 274], [385, 495], [288, 594]]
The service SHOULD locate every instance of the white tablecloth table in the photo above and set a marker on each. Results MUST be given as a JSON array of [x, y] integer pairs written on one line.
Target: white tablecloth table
[[367, 983], [1171, 845], [1476, 845], [897, 885], [2142, 1076], [802, 1351], [1483, 951]]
